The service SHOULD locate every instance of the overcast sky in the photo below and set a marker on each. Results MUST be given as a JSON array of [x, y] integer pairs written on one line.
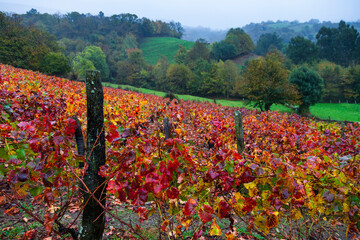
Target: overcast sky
[[216, 14]]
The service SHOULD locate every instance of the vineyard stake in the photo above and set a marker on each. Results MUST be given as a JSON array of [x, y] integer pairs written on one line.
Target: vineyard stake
[[166, 128], [239, 131], [79, 138], [93, 221]]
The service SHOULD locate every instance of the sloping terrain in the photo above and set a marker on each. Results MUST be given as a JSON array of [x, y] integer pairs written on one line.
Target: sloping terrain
[[155, 47]]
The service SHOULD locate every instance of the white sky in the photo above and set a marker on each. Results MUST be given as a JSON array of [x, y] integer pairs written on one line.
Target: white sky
[[215, 14]]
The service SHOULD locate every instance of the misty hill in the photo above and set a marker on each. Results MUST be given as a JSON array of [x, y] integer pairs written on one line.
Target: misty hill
[[195, 33], [287, 30]]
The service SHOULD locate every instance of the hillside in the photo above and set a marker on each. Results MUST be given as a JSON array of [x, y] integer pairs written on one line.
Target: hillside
[[155, 47], [290, 167]]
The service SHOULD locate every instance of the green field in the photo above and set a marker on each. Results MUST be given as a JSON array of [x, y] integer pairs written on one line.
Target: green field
[[155, 47], [332, 111]]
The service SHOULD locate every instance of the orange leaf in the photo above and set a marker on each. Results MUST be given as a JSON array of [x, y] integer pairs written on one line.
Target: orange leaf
[[215, 229], [271, 221]]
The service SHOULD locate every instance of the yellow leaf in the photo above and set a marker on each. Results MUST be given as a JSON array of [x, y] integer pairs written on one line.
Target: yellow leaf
[[250, 185], [346, 208], [260, 224], [215, 230], [342, 177], [297, 214], [186, 223]]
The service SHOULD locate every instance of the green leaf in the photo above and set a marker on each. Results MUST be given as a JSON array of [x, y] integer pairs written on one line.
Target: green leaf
[[4, 154], [2, 169], [327, 159], [20, 154], [36, 190], [229, 168], [265, 187]]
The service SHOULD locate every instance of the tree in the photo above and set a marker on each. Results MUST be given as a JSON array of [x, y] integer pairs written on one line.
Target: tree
[[301, 50], [200, 71], [332, 74], [222, 51], [135, 57], [338, 45], [178, 76], [227, 74], [159, 73], [310, 86], [98, 58], [267, 41], [351, 83], [265, 82], [55, 64], [180, 57], [241, 41], [211, 85], [199, 50], [92, 58], [80, 65], [136, 72], [22, 46]]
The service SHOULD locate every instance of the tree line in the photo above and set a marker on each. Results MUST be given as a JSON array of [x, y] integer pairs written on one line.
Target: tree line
[[111, 46], [290, 29]]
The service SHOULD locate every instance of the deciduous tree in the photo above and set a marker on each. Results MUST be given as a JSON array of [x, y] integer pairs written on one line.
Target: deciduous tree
[[159, 73], [265, 82], [55, 64], [199, 50], [241, 41], [332, 74], [23, 46], [351, 83], [178, 76], [92, 58]]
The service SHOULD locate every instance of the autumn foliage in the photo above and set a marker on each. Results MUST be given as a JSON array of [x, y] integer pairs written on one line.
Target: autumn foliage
[[295, 174]]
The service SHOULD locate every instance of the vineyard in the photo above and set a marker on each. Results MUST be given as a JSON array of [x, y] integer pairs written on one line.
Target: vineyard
[[296, 179]]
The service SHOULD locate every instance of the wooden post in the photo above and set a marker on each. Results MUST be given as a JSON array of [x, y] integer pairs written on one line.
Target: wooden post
[[93, 221], [167, 128], [79, 140], [239, 132]]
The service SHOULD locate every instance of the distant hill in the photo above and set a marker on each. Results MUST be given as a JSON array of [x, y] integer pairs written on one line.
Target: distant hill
[[287, 30], [194, 33], [155, 47]]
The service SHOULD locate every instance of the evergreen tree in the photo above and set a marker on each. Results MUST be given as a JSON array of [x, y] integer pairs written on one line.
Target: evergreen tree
[[266, 42], [301, 50], [310, 86]]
